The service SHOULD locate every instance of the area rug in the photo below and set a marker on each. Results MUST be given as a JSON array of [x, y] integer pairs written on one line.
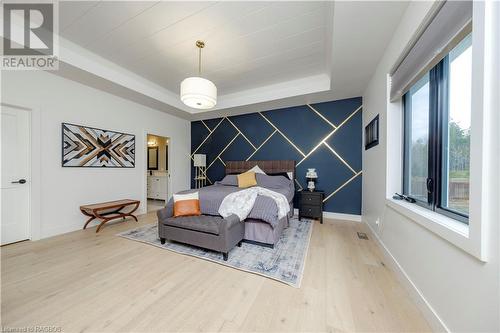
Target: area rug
[[284, 263]]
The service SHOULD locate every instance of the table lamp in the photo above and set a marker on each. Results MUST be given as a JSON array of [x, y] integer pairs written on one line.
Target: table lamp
[[311, 176]]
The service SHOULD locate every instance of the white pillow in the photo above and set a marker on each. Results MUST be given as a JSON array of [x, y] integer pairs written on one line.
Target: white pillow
[[189, 196], [256, 169]]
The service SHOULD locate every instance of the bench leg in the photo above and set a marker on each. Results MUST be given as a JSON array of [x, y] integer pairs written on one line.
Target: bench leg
[[88, 221], [162, 240], [100, 225], [224, 256], [132, 211]]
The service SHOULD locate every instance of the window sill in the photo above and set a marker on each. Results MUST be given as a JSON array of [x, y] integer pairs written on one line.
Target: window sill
[[445, 227]]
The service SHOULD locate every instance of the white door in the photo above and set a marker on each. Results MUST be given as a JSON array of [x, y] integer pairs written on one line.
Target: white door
[[15, 169]]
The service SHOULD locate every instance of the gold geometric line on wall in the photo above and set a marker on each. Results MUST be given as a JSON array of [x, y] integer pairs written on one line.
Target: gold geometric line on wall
[[316, 147], [321, 116], [223, 150], [296, 182], [350, 116], [342, 186], [339, 157], [208, 128], [287, 139], [262, 144], [201, 144], [329, 135], [276, 129], [243, 135], [204, 172]]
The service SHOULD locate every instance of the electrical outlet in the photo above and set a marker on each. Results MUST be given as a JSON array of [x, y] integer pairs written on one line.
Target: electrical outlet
[[377, 222]]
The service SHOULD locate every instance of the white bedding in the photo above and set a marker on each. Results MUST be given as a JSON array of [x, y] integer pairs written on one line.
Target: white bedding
[[242, 202]]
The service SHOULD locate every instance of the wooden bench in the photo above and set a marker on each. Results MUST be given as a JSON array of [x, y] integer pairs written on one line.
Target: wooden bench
[[107, 211]]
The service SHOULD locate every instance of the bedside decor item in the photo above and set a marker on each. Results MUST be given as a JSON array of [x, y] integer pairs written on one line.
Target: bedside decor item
[[246, 179], [111, 210], [187, 204], [371, 133], [84, 146], [197, 92], [311, 204], [311, 176], [200, 170]]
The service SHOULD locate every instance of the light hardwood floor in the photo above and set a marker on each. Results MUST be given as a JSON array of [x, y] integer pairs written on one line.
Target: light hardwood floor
[[87, 282]]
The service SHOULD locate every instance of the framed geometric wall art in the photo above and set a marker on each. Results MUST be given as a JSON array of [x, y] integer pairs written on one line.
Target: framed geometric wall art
[[84, 146], [371, 133]]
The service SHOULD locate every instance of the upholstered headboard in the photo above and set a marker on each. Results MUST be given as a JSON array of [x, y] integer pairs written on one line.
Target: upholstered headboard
[[269, 167]]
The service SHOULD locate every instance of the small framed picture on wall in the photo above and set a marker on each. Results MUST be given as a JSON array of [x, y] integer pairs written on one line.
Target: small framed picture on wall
[[371, 133]]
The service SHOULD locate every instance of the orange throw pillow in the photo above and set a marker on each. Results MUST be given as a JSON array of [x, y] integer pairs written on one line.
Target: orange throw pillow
[[186, 205]]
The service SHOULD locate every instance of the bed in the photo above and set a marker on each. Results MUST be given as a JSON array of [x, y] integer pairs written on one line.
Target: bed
[[263, 225], [257, 230]]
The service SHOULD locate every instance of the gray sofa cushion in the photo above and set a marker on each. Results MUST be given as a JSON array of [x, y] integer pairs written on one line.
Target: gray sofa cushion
[[202, 223]]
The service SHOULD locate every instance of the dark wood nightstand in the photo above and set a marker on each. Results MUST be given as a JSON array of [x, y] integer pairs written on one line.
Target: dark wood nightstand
[[311, 204]]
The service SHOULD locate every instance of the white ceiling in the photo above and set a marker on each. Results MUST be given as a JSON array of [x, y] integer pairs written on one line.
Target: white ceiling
[[249, 45]]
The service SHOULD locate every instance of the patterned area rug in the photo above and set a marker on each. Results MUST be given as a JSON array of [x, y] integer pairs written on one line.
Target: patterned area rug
[[284, 263]]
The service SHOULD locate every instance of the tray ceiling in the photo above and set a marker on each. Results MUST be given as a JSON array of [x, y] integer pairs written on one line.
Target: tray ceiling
[[250, 45]]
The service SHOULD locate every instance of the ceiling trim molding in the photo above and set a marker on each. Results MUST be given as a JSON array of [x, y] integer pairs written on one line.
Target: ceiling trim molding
[[347, 68]]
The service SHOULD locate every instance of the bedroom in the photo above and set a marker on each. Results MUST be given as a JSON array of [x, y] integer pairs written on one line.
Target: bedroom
[[305, 149]]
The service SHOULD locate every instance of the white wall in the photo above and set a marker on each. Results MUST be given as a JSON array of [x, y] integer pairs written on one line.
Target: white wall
[[455, 290], [63, 190]]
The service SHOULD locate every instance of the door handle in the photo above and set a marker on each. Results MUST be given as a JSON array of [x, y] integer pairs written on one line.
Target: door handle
[[20, 181], [430, 184]]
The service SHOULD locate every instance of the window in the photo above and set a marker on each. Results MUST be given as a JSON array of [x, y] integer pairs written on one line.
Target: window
[[417, 107], [437, 111]]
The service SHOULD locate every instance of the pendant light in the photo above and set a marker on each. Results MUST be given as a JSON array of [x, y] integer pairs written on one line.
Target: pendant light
[[197, 92]]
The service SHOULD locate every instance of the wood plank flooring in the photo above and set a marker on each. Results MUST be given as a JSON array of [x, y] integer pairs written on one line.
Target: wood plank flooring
[[83, 282]]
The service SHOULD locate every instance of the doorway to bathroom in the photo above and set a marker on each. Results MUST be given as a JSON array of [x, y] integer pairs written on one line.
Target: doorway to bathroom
[[157, 171]]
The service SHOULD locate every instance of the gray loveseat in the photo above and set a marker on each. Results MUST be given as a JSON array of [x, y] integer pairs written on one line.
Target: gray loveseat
[[206, 231]]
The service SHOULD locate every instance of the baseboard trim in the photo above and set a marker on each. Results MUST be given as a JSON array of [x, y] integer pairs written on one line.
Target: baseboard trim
[[336, 216], [341, 216], [424, 306]]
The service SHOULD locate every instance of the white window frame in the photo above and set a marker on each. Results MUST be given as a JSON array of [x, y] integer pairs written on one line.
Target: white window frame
[[470, 238]]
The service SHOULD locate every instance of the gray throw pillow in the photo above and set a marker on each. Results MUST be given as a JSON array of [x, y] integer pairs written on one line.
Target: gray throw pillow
[[273, 181], [229, 180]]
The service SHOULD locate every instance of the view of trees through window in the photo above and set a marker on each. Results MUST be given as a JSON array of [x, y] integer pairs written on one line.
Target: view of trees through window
[[457, 151], [437, 135], [419, 139]]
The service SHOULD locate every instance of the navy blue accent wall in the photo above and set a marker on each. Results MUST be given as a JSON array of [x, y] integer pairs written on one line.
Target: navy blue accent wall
[[326, 136]]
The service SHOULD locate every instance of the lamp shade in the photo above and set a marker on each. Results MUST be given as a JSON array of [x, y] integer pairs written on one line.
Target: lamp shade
[[198, 93], [200, 160], [311, 173]]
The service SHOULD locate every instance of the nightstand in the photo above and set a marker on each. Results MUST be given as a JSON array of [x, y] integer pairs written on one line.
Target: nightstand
[[311, 204]]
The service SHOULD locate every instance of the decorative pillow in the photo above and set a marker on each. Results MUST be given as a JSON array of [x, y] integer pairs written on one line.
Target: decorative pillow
[[247, 179], [186, 204], [229, 180], [256, 169], [284, 174], [276, 181]]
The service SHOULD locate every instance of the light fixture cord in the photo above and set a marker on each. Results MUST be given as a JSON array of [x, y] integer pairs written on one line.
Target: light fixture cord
[[199, 62]]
